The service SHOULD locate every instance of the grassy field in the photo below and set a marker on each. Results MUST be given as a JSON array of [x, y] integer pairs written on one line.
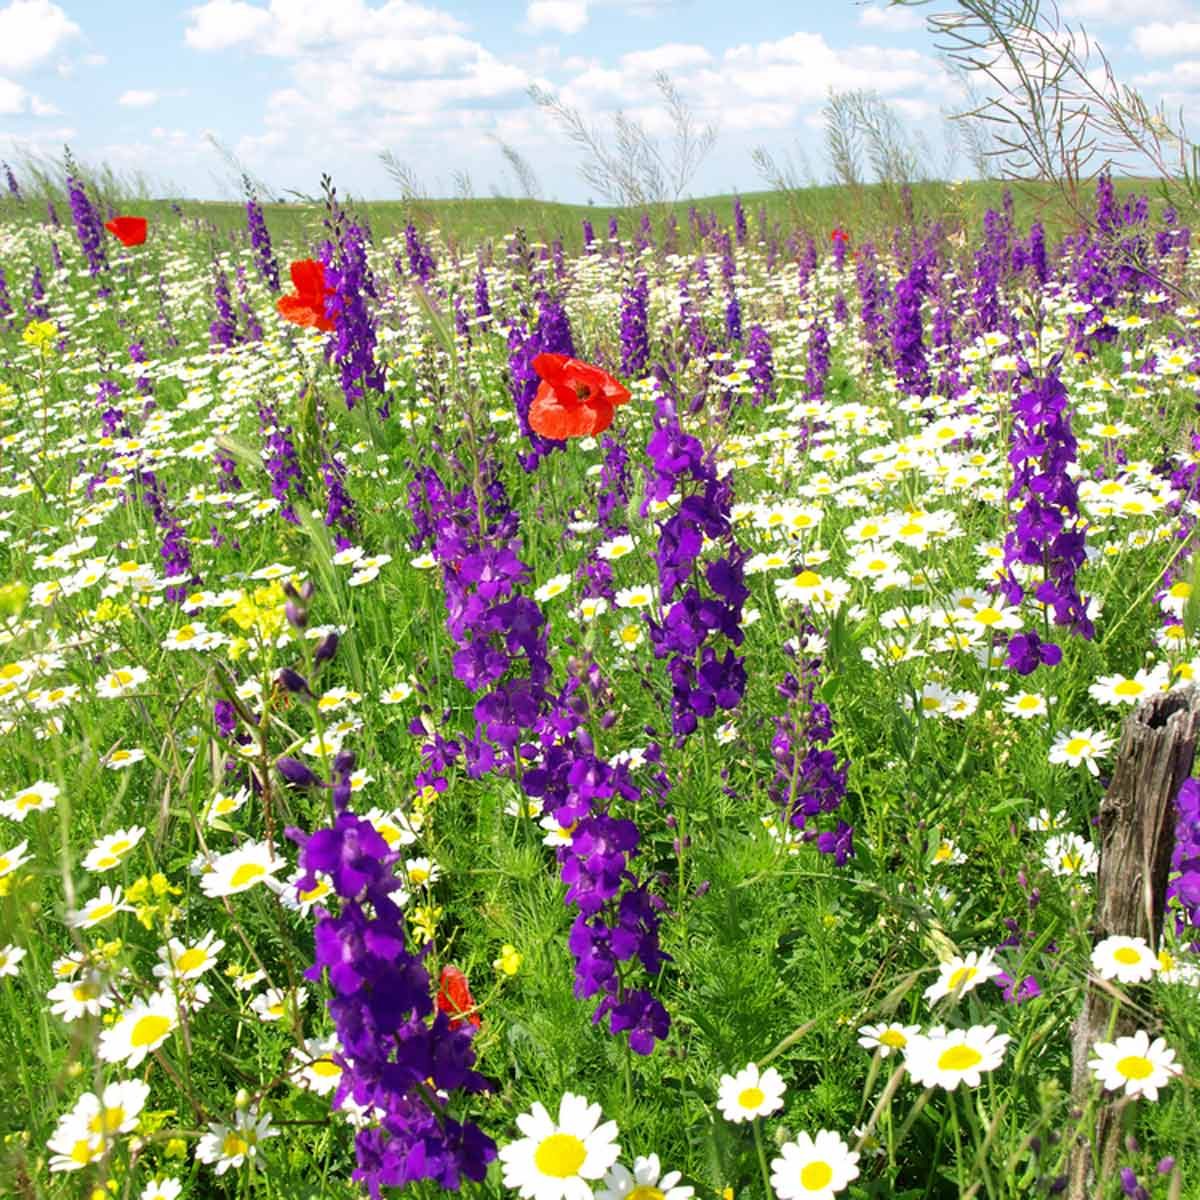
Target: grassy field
[[731, 763]]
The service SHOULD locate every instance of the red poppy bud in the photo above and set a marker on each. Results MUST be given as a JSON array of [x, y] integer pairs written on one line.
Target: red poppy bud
[[454, 998]]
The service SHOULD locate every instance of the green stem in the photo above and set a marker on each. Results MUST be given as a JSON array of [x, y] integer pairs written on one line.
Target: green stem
[[762, 1159]]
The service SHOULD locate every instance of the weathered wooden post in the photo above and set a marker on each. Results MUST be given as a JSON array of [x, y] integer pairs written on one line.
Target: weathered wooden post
[[1135, 837]]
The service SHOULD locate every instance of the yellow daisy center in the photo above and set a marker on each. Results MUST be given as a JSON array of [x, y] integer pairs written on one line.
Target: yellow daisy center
[[815, 1176], [326, 1068], [84, 992], [418, 874], [751, 1097], [101, 911], [246, 874], [560, 1155], [959, 1058], [189, 960], [1134, 1066], [807, 579], [233, 1145], [1077, 745], [1029, 702], [149, 1029], [645, 1192], [1127, 956], [108, 1121], [893, 1038], [987, 616], [961, 976], [29, 800], [81, 1151], [1129, 687], [1071, 862]]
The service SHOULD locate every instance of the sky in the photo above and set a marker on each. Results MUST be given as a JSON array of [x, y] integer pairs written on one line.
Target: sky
[[297, 88]]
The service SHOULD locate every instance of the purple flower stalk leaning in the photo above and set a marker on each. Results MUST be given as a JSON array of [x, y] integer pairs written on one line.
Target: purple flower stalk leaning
[[702, 682], [352, 346], [282, 463], [88, 226], [762, 364], [912, 371], [1048, 532], [260, 240], [397, 1052], [223, 331], [635, 338], [809, 780]]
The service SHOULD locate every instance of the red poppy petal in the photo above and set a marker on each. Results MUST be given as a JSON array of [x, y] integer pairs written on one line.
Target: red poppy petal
[[301, 311], [309, 277], [552, 419], [550, 366], [130, 231]]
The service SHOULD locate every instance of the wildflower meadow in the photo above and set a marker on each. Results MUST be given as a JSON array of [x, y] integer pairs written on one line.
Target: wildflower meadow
[[623, 715]]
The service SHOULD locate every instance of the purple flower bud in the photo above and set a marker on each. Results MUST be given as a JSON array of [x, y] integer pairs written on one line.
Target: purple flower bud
[[296, 773], [326, 650], [293, 682], [297, 616]]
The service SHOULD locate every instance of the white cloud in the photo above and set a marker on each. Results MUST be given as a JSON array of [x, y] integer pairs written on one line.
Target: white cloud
[[290, 28], [1184, 74], [13, 97], [1118, 12], [672, 57], [31, 31], [224, 23], [888, 19], [560, 16], [1162, 40], [136, 98]]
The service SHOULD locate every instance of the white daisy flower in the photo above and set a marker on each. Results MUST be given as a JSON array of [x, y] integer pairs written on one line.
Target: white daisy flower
[[226, 1147], [37, 797], [1125, 959], [962, 975], [813, 1168], [551, 588], [1080, 746], [886, 1038], [560, 1160], [112, 849], [1135, 1064], [750, 1094], [644, 1182], [143, 1027], [240, 870], [941, 1059], [108, 903], [1067, 854]]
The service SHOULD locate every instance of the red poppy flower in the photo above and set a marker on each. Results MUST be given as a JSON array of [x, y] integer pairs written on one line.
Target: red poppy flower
[[306, 306], [454, 997], [840, 235], [129, 231], [574, 399]]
